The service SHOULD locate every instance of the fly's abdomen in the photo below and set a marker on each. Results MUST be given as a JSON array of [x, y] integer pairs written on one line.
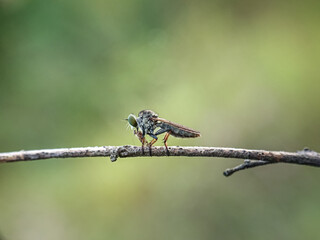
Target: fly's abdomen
[[184, 134], [179, 130]]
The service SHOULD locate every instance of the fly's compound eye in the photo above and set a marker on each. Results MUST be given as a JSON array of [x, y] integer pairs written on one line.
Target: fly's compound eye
[[132, 121]]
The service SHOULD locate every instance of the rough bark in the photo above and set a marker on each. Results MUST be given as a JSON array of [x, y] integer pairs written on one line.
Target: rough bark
[[253, 158]]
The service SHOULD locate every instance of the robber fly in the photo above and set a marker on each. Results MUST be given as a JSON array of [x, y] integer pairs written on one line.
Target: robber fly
[[148, 121]]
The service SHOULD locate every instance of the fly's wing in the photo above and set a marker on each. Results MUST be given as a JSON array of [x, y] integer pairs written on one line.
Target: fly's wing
[[179, 130]]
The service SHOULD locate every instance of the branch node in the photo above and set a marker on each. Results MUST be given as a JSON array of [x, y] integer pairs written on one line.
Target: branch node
[[114, 154], [121, 151], [308, 151]]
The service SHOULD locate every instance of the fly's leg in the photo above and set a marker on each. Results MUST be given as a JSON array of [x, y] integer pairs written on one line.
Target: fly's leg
[[165, 142], [141, 138], [155, 138], [162, 130], [142, 147]]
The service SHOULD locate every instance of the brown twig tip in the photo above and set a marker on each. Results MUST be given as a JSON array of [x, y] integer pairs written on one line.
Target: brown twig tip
[[245, 165], [253, 158]]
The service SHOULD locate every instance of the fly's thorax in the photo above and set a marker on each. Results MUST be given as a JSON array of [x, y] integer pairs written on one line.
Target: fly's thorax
[[145, 120], [147, 114], [150, 125]]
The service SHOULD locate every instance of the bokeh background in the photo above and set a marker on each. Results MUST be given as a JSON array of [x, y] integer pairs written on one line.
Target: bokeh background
[[244, 73]]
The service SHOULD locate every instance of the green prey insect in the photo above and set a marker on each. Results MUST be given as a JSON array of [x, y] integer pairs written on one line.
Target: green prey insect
[[148, 121]]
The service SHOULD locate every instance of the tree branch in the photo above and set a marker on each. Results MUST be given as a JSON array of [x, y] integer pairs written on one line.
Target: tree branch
[[261, 157]]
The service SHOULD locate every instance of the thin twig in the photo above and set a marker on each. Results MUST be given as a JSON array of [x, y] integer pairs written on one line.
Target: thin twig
[[304, 157], [245, 165]]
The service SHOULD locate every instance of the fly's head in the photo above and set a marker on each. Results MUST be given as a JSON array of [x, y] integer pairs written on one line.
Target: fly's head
[[132, 121]]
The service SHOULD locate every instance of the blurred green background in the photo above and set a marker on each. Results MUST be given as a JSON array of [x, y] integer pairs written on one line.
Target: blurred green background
[[244, 73]]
